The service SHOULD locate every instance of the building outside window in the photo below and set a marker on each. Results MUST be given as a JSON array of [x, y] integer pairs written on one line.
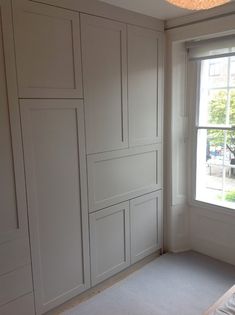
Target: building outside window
[[215, 68]]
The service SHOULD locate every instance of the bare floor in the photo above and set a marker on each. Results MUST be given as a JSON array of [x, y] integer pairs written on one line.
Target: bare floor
[[173, 284]]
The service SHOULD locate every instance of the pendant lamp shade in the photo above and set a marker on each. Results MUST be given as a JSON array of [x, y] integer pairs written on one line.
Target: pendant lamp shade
[[197, 4]]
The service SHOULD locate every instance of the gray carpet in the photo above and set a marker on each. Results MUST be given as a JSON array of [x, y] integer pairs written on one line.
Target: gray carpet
[[174, 284]]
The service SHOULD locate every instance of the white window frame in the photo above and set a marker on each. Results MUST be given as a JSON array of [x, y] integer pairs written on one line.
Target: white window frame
[[193, 100]]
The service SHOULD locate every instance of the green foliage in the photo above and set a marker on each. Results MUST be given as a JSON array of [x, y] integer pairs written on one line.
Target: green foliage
[[230, 196], [217, 115], [217, 108]]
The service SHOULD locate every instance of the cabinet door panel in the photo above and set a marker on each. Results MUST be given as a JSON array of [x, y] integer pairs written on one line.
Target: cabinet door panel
[[53, 138], [144, 85], [21, 306], [48, 56], [15, 264], [121, 175], [14, 254], [15, 284], [146, 225], [8, 203], [105, 86], [13, 211], [109, 236]]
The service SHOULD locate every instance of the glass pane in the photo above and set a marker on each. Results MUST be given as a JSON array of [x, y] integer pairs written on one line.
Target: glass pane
[[229, 176], [217, 102], [229, 187], [216, 167], [214, 91], [210, 161], [217, 92], [230, 144], [232, 107], [232, 71], [217, 72]]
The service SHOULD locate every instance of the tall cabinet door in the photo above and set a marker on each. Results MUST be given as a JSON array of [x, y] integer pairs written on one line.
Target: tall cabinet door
[[105, 83], [48, 56], [15, 264], [146, 225], [145, 85], [53, 138]]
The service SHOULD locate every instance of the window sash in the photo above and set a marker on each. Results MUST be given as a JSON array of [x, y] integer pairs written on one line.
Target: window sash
[[197, 127]]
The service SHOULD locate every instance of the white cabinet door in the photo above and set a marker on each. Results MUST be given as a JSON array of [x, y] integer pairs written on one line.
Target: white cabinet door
[[53, 137], [109, 237], [15, 263], [47, 51], [145, 85], [120, 175], [105, 84], [146, 225]]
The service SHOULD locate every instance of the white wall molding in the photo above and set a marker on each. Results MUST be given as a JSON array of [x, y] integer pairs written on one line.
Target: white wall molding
[[205, 29], [106, 10]]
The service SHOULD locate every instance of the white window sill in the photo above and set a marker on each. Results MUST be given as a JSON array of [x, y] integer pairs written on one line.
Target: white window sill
[[219, 208]]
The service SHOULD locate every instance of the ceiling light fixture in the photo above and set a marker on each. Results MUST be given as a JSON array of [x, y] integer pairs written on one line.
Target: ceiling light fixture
[[198, 4]]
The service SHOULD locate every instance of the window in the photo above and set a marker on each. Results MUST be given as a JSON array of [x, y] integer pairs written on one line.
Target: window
[[215, 132]]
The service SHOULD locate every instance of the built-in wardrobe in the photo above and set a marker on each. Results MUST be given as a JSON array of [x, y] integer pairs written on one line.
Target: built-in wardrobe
[[81, 99]]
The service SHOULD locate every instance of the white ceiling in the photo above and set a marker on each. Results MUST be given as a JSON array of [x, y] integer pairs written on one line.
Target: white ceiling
[[157, 8]]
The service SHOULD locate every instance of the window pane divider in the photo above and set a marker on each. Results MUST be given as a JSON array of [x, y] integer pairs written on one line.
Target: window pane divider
[[229, 87], [218, 127], [221, 165]]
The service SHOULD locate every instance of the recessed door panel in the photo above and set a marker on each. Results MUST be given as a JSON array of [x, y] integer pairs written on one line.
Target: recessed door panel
[[109, 236], [118, 176], [47, 51], [105, 85], [146, 225], [144, 85], [15, 264], [54, 150]]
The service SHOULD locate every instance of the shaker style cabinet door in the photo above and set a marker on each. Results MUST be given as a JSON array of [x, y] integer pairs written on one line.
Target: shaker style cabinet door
[[145, 85], [117, 176], [15, 263], [53, 137], [109, 237], [48, 57], [146, 225], [105, 83]]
